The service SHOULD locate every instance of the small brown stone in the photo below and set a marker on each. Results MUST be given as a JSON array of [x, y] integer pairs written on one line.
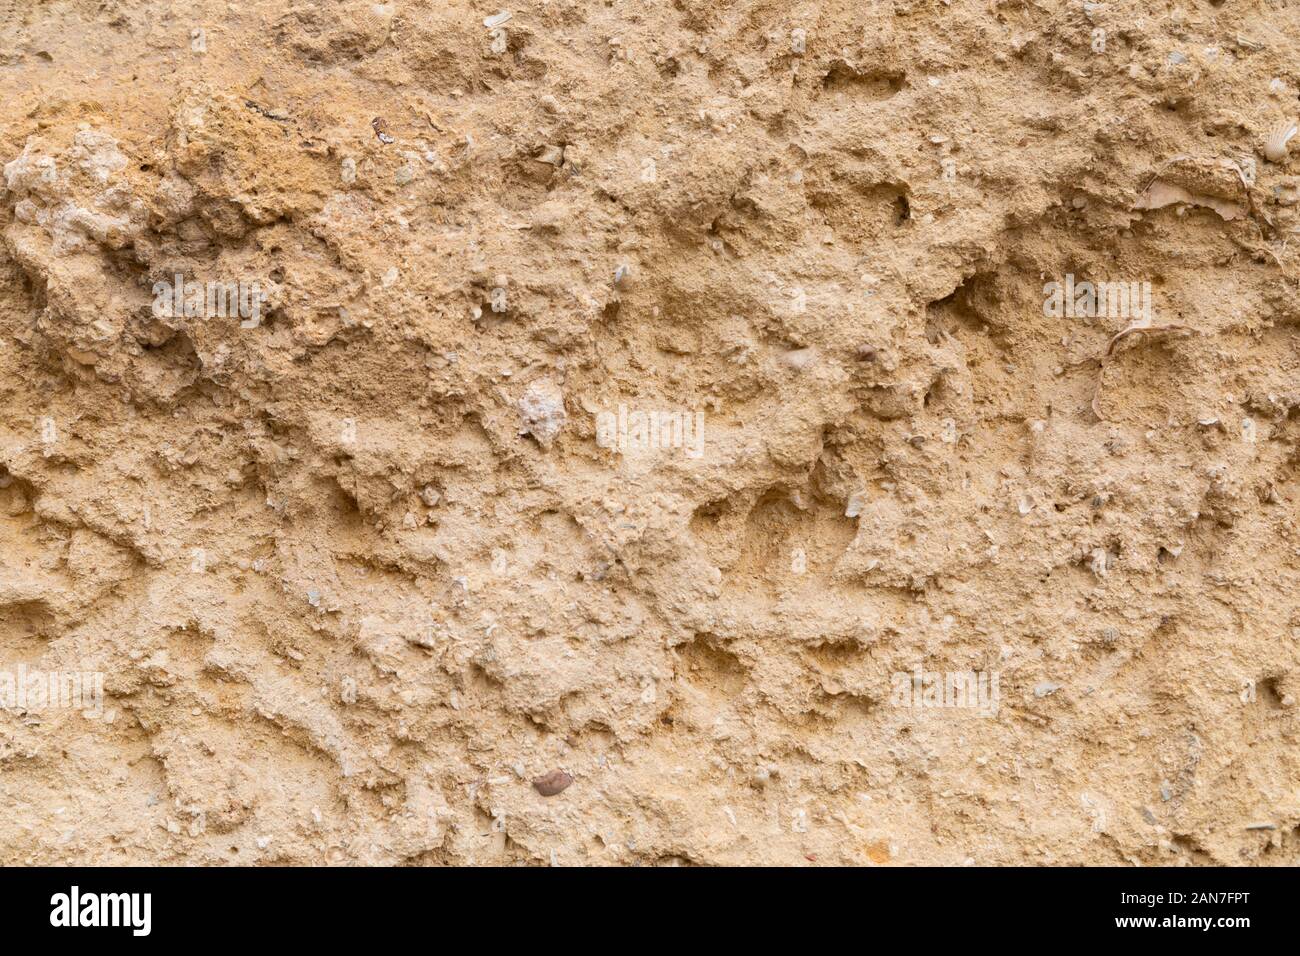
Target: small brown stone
[[878, 852], [552, 783]]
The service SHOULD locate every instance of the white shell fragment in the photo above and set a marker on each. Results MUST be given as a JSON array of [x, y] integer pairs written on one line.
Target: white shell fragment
[[497, 19], [1275, 147]]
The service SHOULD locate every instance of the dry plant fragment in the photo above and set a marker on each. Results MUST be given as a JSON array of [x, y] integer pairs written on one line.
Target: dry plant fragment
[[1142, 325]]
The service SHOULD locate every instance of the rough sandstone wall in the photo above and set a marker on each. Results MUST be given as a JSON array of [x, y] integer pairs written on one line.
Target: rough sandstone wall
[[364, 582]]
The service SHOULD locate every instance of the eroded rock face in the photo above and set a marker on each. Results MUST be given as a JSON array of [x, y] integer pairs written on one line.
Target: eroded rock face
[[850, 433]]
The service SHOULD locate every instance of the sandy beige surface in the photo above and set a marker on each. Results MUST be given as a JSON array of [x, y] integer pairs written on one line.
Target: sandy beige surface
[[388, 568]]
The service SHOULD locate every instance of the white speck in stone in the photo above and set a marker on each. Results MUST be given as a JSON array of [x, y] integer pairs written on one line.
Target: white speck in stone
[[542, 409]]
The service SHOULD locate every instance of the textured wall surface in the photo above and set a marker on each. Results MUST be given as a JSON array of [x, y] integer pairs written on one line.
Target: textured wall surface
[[376, 561]]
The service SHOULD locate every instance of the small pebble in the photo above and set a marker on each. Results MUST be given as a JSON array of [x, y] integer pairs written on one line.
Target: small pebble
[[552, 155], [548, 785]]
